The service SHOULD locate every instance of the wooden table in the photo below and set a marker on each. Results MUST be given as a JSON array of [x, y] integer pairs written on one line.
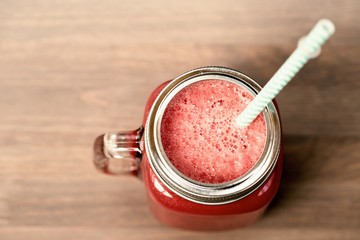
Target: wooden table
[[71, 70]]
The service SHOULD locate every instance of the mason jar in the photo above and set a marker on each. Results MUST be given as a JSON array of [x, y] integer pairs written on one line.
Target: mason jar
[[177, 200]]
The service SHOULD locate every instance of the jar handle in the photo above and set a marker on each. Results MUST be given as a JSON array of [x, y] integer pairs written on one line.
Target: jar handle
[[118, 153]]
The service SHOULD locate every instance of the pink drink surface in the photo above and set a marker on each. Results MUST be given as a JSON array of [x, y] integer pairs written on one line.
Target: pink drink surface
[[199, 135]]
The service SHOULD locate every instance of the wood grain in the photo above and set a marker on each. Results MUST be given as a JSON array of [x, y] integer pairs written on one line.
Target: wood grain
[[71, 70], [318, 193]]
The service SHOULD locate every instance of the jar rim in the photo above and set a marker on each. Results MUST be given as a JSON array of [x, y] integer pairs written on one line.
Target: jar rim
[[210, 193]]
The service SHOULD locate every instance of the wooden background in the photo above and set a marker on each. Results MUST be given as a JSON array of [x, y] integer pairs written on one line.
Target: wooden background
[[71, 70]]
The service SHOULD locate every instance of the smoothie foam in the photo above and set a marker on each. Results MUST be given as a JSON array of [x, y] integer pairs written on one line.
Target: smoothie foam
[[199, 135]]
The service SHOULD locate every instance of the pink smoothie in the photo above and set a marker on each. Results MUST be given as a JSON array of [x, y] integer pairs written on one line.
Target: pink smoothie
[[199, 135]]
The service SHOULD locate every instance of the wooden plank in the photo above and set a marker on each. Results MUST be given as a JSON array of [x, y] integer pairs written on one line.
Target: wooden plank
[[58, 188], [85, 93], [162, 233]]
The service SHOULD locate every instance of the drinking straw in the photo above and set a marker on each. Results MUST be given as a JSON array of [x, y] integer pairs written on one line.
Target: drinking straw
[[308, 47]]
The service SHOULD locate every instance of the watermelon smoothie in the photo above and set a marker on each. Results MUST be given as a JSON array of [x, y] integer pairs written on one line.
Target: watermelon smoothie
[[200, 171], [199, 135]]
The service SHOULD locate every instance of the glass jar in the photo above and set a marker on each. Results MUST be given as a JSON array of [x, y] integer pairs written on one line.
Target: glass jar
[[177, 200]]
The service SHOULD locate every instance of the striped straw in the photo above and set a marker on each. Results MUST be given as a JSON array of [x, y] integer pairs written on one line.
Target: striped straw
[[308, 47]]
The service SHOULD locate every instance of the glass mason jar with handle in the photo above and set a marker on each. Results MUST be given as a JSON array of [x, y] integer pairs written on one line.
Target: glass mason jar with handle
[[175, 199]]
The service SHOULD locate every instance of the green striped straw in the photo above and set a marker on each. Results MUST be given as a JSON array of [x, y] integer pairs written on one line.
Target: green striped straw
[[308, 47]]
